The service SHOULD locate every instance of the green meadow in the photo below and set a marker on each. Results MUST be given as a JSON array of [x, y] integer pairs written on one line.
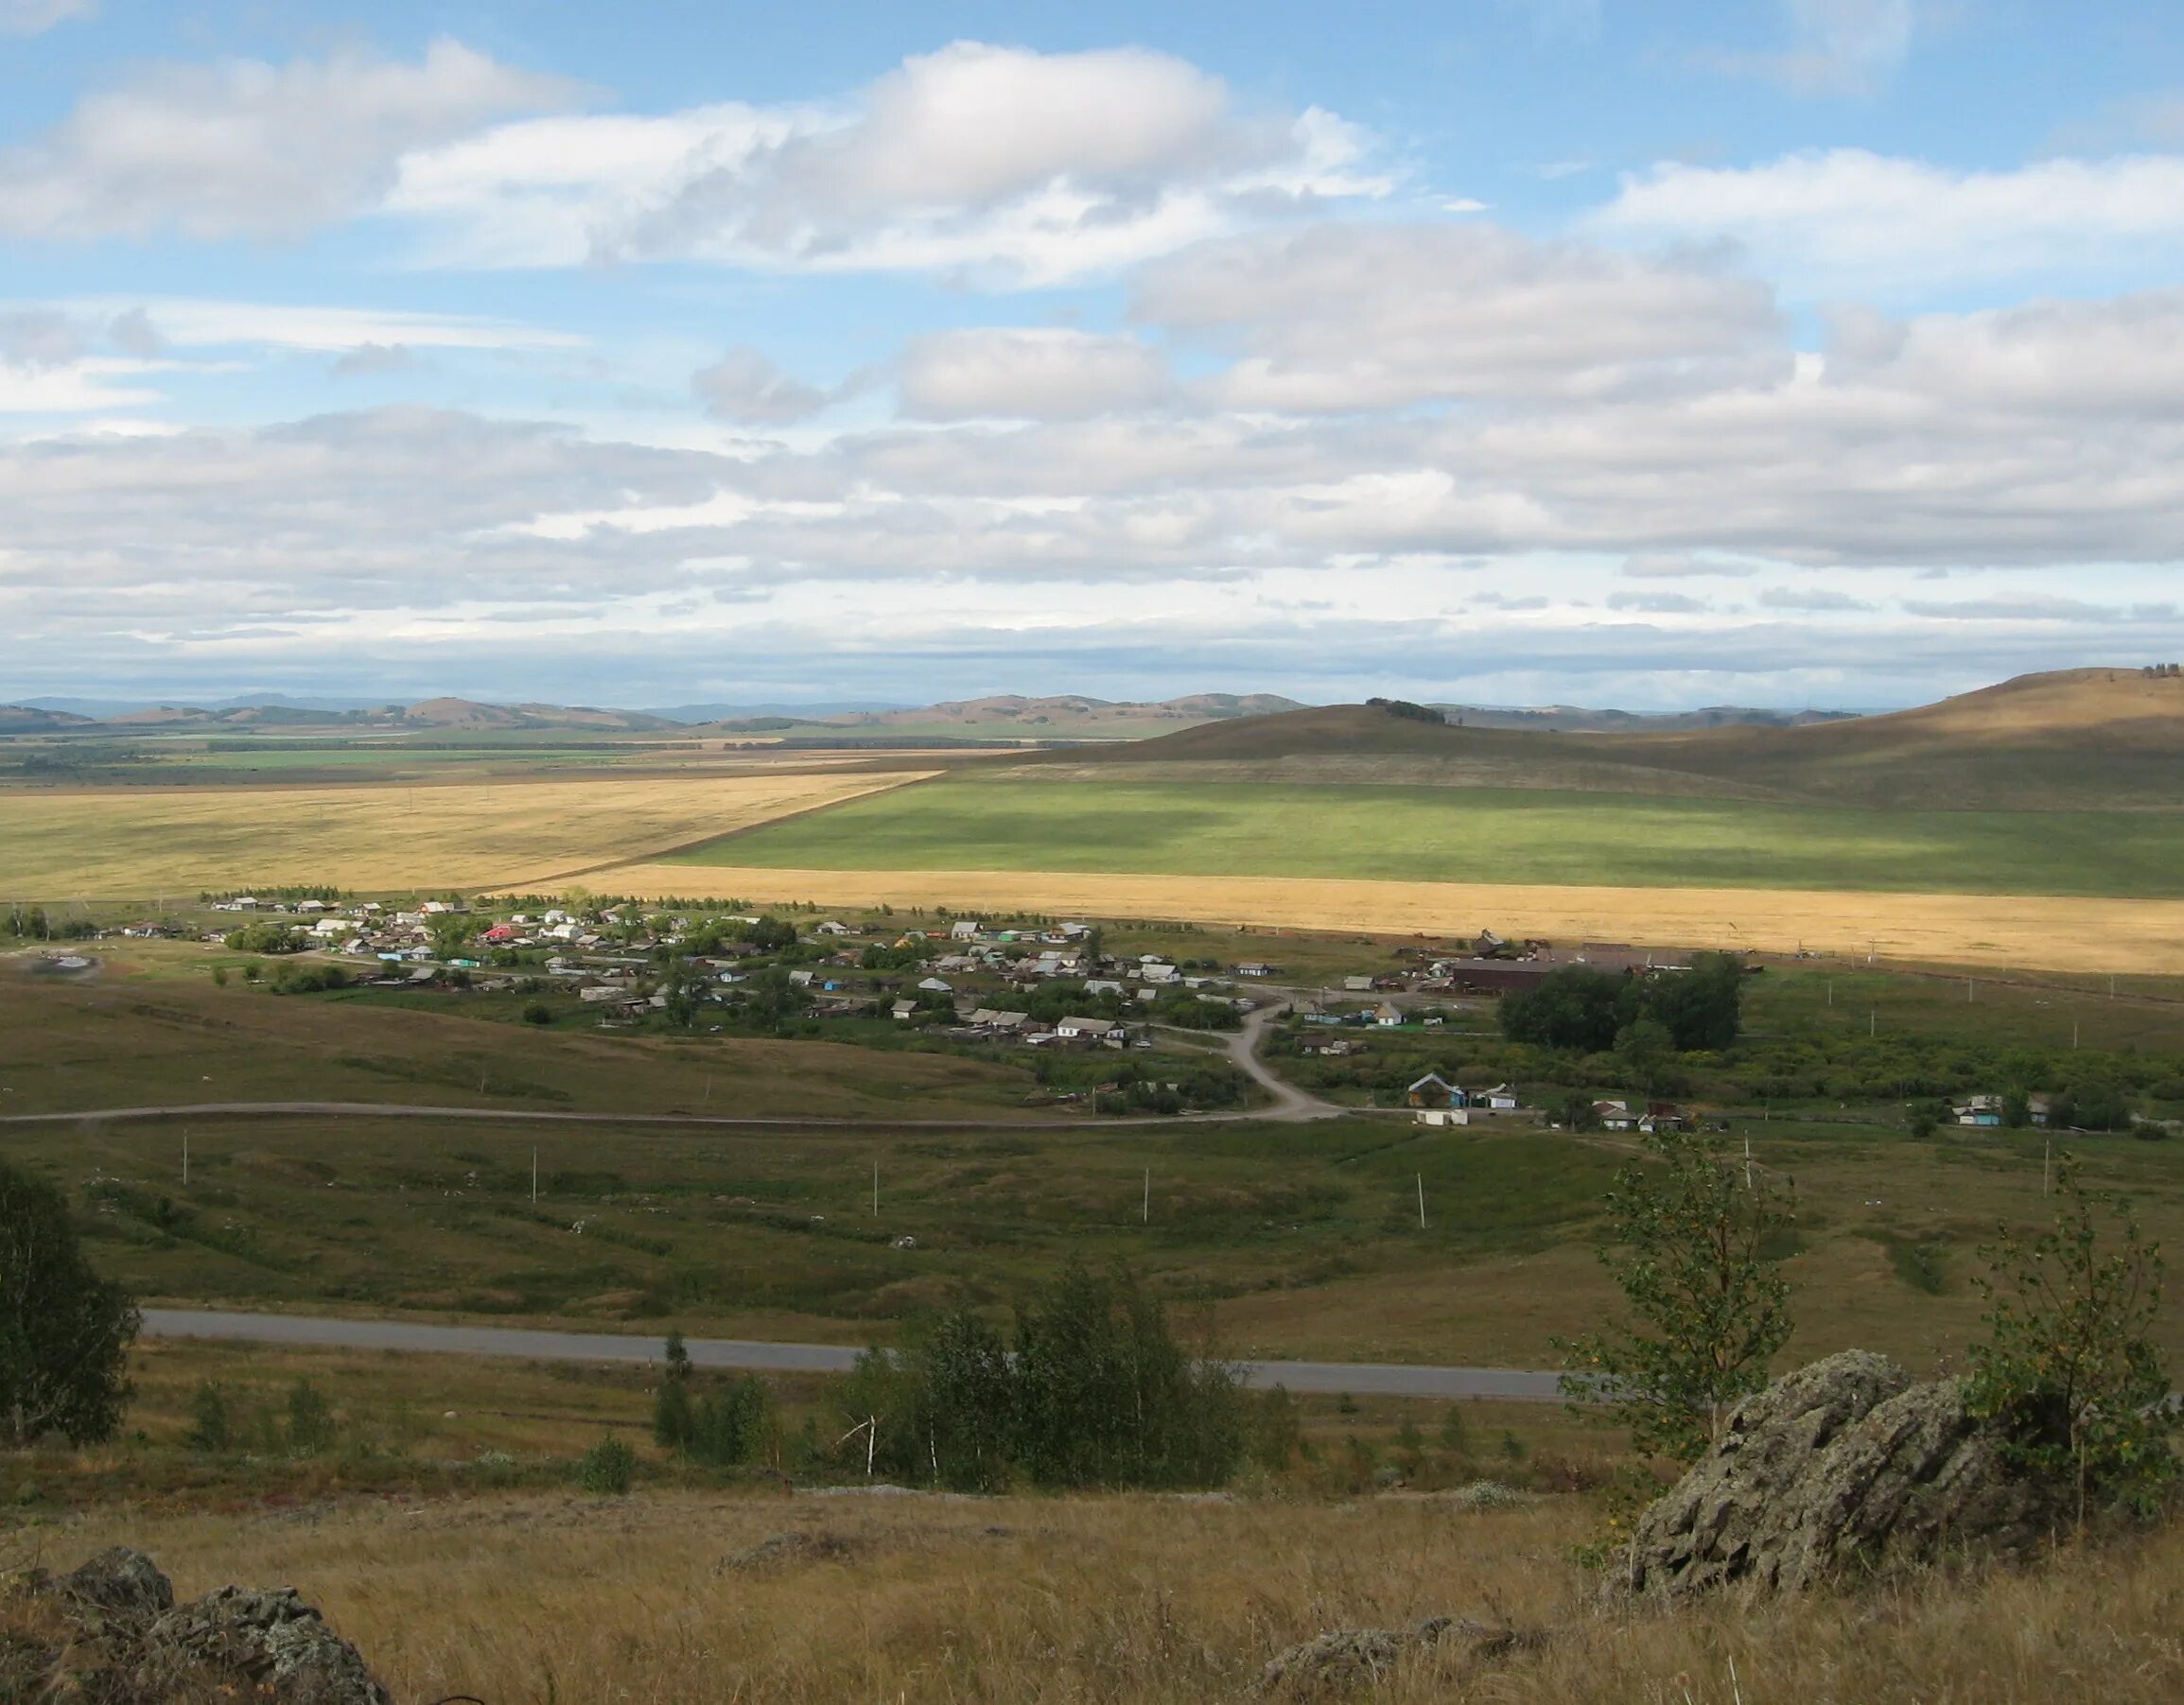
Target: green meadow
[[1470, 835]]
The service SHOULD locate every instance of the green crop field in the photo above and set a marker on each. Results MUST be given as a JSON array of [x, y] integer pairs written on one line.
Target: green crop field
[[1470, 835]]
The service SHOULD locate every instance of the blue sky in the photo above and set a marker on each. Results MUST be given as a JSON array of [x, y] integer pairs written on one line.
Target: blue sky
[[1797, 351]]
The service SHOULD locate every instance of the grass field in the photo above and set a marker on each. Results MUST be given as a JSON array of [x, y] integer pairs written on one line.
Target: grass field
[[151, 1030], [1472, 835], [143, 843], [554, 1598]]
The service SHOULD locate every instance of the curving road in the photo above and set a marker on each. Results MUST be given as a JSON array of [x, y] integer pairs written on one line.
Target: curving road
[[1360, 1379]]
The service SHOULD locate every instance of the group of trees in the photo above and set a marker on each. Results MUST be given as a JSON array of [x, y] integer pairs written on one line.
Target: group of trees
[[1584, 1010], [34, 923], [721, 1425], [1094, 1390], [2069, 1373]]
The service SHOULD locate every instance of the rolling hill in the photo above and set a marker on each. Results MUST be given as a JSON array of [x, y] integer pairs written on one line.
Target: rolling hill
[[2073, 738]]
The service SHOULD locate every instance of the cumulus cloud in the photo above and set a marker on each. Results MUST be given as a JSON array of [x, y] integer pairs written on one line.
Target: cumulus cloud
[[1037, 373], [1844, 218], [2122, 357], [1000, 162], [38, 338], [743, 385], [242, 149], [35, 17], [1343, 317]]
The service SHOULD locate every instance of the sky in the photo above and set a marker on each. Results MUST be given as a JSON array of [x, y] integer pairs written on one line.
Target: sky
[[1781, 352]]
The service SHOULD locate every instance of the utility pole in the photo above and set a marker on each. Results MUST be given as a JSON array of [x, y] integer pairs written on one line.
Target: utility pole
[[2074, 1033], [1422, 1201], [875, 1190], [1968, 990], [535, 1175], [185, 1159], [2046, 1165], [1146, 1214], [1873, 1022], [1747, 1162]]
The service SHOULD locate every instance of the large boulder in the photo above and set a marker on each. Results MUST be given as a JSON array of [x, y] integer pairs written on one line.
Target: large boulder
[[1843, 1468], [110, 1633], [271, 1641]]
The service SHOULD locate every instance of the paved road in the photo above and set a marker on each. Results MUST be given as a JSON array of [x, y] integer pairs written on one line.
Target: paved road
[[1361, 1379], [376, 1109]]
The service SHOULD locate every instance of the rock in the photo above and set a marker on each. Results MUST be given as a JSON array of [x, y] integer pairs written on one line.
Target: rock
[[272, 1640], [1349, 1659], [119, 1583], [1843, 1469], [791, 1547]]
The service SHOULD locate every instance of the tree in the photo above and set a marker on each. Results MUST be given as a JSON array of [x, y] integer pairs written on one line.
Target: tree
[[1702, 1007], [672, 1418], [64, 1331], [1684, 1241], [1643, 1049], [2070, 1369], [1574, 1007]]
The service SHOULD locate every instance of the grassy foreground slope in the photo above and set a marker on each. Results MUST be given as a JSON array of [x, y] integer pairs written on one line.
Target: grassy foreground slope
[[1469, 835]]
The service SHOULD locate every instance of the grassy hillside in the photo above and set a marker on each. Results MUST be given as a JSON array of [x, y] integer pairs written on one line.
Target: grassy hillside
[[1472, 835], [2080, 739]]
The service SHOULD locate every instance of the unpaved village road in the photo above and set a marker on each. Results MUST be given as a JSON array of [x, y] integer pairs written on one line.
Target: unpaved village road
[[1360, 1379]]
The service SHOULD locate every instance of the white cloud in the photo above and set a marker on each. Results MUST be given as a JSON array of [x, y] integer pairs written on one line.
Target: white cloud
[[1343, 317], [373, 359], [245, 149], [1848, 218], [35, 17], [2123, 356], [1036, 373], [746, 387], [198, 322], [1836, 47], [998, 161], [1682, 564]]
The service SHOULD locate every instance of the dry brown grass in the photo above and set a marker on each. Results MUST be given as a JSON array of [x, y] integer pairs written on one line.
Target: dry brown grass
[[2030, 931], [132, 843], [534, 1598]]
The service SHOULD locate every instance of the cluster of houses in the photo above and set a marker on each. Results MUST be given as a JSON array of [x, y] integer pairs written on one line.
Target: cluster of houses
[[1987, 1112], [1441, 1102]]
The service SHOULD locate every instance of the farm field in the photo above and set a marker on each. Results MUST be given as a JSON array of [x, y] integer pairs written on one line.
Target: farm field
[[142, 842], [1472, 835], [2065, 934]]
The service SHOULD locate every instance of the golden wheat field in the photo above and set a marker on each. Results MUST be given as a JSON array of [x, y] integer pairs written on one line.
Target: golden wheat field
[[2047, 933], [665, 1598], [131, 842]]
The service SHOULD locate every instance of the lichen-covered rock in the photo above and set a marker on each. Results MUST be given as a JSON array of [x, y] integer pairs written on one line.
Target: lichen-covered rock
[[1349, 1658], [269, 1640], [1843, 1469], [119, 1583]]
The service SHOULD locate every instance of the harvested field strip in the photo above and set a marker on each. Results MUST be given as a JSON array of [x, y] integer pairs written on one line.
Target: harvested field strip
[[129, 843], [2035, 932], [1475, 835]]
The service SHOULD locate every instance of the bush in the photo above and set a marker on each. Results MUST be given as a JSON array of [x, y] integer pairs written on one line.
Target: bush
[[537, 1012], [2069, 1369], [310, 1421], [1096, 1392], [211, 1424], [608, 1468]]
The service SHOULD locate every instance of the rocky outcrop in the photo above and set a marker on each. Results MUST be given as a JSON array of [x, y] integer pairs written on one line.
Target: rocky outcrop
[[1841, 1470], [1349, 1659], [110, 1633]]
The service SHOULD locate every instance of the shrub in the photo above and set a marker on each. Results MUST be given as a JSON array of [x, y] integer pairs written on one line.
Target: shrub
[[608, 1468], [537, 1012], [1686, 1242], [2069, 1369], [211, 1425], [310, 1420]]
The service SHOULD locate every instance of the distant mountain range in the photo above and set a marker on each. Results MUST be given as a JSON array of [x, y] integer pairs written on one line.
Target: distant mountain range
[[1000, 716]]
